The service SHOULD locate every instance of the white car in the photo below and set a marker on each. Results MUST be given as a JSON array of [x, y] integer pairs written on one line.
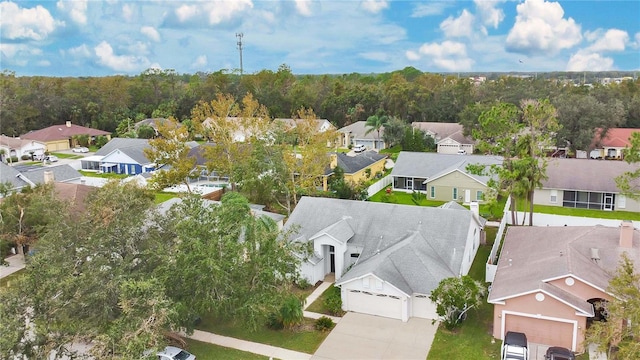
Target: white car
[[50, 158], [359, 148], [81, 149], [175, 353]]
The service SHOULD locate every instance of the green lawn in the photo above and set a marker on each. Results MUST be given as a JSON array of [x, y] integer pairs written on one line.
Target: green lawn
[[206, 351], [399, 197], [103, 175], [558, 210], [472, 340], [6, 281], [164, 196], [67, 156], [318, 305], [306, 340]]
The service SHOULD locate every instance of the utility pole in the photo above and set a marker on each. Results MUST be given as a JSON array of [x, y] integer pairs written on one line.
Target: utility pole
[[239, 36]]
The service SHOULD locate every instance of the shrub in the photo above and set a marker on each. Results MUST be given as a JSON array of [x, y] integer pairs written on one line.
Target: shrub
[[26, 157], [289, 315], [303, 283], [324, 324], [14, 159], [333, 301], [273, 322]]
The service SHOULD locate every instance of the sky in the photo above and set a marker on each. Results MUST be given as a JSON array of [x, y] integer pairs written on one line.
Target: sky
[[100, 38]]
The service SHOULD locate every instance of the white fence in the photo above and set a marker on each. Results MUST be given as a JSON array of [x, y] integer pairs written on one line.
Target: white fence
[[492, 266], [564, 220], [384, 182]]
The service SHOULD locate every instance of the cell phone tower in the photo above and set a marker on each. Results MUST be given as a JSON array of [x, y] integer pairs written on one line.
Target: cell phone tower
[[239, 37]]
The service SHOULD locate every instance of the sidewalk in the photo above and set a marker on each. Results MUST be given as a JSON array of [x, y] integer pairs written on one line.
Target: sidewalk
[[313, 297], [16, 263], [256, 348]]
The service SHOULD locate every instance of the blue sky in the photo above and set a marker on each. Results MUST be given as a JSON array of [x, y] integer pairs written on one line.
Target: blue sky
[[97, 38]]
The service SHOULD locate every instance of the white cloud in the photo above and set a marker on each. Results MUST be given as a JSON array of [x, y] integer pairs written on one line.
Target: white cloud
[[200, 62], [541, 28], [588, 61], [151, 33], [637, 43], [430, 8], [80, 51], [44, 63], [448, 55], [462, 26], [376, 56], [611, 40], [304, 7], [21, 23], [128, 11], [186, 12], [77, 10], [125, 63], [490, 15], [375, 6], [215, 12]]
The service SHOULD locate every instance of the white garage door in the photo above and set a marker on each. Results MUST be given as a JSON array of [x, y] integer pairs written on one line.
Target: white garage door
[[374, 304], [423, 307], [448, 149]]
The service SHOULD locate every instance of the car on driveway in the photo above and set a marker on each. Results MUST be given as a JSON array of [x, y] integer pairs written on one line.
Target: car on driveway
[[559, 353], [175, 353], [50, 158], [81, 149], [359, 148], [514, 346]]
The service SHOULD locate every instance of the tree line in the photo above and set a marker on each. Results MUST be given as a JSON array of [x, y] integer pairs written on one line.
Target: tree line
[[30, 103]]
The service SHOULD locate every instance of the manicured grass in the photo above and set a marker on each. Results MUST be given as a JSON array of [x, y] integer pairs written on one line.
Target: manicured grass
[[392, 150], [583, 356], [103, 175], [472, 340], [164, 196], [616, 215], [318, 305], [67, 156], [399, 197], [343, 150], [306, 339], [206, 351], [6, 281]]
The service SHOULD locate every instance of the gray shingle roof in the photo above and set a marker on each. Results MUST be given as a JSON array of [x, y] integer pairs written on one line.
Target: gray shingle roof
[[542, 253], [10, 175], [353, 164], [585, 174], [444, 130], [121, 143], [411, 247], [434, 165], [61, 173], [358, 131]]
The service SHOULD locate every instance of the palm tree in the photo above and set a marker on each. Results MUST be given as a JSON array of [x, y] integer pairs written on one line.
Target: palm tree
[[376, 122]]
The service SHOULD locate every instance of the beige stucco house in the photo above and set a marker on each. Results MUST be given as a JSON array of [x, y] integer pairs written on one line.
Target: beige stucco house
[[16, 147], [449, 137], [585, 184], [442, 177], [357, 168], [613, 144], [551, 281], [359, 134], [60, 137]]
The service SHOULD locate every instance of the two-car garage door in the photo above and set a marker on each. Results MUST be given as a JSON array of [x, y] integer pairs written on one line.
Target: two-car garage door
[[542, 331], [375, 304]]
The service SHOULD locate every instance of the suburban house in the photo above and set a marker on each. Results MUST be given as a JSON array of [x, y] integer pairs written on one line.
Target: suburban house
[[16, 147], [322, 125], [585, 184], [358, 167], [120, 156], [612, 145], [386, 258], [60, 137], [154, 123], [449, 137], [28, 176], [551, 282], [442, 177], [356, 134]]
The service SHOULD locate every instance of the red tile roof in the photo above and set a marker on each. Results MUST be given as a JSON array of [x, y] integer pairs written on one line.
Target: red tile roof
[[62, 132], [617, 137]]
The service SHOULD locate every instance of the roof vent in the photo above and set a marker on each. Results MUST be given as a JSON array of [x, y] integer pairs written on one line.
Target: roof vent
[[595, 255]]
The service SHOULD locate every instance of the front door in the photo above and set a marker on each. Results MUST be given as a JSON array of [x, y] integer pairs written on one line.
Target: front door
[[607, 201], [409, 183], [332, 257], [467, 196]]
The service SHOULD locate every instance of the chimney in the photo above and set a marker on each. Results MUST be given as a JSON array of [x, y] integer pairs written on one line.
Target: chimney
[[475, 209], [626, 234], [68, 124], [48, 177], [334, 161]]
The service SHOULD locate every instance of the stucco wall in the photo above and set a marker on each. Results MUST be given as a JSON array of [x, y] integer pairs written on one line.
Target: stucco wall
[[580, 289], [444, 187], [362, 174]]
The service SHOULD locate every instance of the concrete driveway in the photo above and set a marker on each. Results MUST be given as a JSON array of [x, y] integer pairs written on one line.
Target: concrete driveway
[[360, 336]]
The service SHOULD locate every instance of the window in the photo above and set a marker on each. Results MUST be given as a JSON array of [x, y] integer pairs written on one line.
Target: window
[[622, 201], [554, 196], [455, 193], [433, 192], [355, 255], [479, 195]]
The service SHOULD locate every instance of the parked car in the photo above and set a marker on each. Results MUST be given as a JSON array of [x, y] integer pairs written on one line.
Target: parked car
[[50, 158], [175, 353], [462, 152], [359, 148], [559, 353], [514, 346], [81, 149]]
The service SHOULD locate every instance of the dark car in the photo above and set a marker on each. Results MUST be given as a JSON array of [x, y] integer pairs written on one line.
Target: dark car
[[559, 353], [515, 346]]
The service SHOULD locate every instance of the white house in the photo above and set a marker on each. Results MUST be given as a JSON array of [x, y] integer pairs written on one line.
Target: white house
[[358, 134], [386, 258], [449, 137], [16, 147]]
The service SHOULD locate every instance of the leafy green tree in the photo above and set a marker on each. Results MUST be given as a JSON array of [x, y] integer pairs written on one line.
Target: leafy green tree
[[339, 186], [125, 128], [376, 123], [145, 132], [455, 296], [629, 182], [622, 328], [415, 140], [101, 141], [394, 131], [291, 314]]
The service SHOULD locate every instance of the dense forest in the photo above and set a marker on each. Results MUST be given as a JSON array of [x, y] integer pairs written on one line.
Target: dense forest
[[29, 103]]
